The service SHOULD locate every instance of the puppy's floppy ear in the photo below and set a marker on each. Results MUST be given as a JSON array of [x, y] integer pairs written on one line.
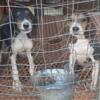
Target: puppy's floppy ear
[[31, 14], [90, 32], [35, 26], [87, 16]]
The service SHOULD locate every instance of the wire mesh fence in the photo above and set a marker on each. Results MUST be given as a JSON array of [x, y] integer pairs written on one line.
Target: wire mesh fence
[[50, 40]]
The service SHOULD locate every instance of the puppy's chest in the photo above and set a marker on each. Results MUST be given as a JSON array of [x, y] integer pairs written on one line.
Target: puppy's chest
[[82, 49], [21, 43]]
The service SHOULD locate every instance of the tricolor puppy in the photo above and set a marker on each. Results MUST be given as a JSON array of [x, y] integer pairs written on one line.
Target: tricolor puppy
[[82, 50], [17, 37]]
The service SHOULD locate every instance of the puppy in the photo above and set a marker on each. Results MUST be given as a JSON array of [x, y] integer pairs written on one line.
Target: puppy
[[82, 50], [16, 35]]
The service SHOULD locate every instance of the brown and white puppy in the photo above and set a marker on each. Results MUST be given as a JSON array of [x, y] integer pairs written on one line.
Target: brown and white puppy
[[82, 50]]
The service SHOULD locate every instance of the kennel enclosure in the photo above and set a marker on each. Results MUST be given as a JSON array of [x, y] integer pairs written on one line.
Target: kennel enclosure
[[50, 46]]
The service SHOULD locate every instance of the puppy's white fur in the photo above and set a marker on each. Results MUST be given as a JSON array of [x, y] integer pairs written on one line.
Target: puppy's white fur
[[82, 50], [21, 43]]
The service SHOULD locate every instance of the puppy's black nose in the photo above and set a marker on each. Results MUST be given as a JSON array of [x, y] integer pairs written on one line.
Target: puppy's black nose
[[26, 25], [75, 29]]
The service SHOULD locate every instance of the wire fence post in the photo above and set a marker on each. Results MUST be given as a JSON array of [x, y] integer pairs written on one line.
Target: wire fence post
[[98, 85]]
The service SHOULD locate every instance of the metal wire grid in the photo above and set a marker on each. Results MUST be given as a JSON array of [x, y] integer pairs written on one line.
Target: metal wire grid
[[6, 79]]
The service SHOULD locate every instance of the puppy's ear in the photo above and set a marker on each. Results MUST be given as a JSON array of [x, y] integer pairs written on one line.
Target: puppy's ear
[[87, 16], [35, 26], [90, 32]]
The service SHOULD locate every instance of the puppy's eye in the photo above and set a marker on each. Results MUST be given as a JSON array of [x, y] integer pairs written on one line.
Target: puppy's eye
[[70, 20], [18, 20], [83, 20], [29, 17], [18, 13]]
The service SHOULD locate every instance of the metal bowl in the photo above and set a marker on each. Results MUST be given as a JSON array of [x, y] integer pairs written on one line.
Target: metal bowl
[[54, 84]]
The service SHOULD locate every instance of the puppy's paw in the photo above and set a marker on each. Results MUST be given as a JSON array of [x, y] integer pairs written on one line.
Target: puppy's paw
[[17, 85], [93, 86]]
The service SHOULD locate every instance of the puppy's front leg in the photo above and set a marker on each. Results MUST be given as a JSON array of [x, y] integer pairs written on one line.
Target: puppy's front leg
[[95, 72], [16, 82], [72, 60], [31, 62]]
